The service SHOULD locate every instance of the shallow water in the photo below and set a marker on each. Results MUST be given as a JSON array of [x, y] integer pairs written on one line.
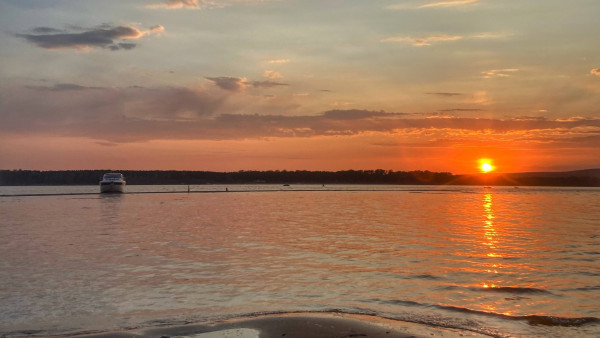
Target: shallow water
[[500, 261]]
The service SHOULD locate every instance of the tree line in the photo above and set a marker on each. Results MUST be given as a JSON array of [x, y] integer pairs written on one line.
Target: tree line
[[379, 176]]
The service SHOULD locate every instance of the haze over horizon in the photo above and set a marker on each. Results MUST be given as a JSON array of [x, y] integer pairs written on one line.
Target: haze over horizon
[[300, 85]]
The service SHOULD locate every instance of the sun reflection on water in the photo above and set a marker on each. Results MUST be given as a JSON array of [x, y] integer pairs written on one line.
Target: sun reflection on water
[[490, 233]]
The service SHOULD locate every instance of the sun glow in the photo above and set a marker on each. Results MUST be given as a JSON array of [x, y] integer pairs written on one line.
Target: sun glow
[[485, 165]]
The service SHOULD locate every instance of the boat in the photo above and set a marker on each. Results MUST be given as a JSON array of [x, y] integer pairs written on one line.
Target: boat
[[112, 182]]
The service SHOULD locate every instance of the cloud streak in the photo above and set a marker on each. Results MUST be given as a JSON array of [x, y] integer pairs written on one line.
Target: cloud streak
[[445, 94], [178, 4], [196, 4], [238, 84], [110, 37], [266, 84], [278, 61], [62, 87], [427, 40], [595, 71], [272, 74], [142, 114], [449, 3], [436, 4], [494, 73]]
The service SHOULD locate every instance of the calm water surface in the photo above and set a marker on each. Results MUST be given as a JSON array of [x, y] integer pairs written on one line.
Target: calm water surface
[[502, 261]]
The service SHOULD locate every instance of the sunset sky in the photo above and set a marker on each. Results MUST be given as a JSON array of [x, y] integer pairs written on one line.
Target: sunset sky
[[227, 85]]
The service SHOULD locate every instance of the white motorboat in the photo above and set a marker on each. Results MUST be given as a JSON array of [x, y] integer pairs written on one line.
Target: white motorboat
[[112, 182]]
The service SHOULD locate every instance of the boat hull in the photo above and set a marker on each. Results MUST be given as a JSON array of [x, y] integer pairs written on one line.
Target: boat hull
[[112, 187]]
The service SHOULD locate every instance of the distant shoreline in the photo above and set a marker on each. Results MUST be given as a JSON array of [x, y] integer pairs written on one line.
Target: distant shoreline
[[579, 178]]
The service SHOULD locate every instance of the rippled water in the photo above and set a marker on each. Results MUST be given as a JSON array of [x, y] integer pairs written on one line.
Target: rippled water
[[501, 261]]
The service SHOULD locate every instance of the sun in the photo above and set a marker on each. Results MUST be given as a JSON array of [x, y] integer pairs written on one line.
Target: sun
[[485, 165]]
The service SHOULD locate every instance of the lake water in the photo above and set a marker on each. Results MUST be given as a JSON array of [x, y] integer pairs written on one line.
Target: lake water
[[500, 261]]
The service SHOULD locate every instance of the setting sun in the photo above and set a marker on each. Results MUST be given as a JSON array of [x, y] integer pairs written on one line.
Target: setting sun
[[485, 165]]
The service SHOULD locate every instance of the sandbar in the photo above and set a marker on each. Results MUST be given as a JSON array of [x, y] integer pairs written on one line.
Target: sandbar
[[295, 325]]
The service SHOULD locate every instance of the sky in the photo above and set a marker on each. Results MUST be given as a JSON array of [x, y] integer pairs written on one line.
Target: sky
[[228, 85]]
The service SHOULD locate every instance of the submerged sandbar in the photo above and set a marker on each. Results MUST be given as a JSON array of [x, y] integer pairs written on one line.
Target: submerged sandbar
[[298, 325]]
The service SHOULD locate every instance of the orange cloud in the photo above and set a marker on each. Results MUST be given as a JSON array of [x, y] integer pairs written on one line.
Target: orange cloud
[[595, 71], [488, 74]]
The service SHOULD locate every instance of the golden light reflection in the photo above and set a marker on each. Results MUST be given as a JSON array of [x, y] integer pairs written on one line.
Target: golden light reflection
[[490, 235]]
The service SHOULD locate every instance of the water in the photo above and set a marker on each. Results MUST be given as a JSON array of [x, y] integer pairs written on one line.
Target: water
[[502, 261]]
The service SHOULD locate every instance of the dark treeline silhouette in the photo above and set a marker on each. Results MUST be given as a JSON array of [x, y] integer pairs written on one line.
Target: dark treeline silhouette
[[379, 176], [86, 177]]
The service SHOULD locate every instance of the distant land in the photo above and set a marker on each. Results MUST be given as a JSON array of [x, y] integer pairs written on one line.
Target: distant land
[[578, 178]]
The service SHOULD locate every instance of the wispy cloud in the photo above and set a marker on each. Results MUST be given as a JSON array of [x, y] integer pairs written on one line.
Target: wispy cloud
[[141, 114], [488, 74], [272, 74], [62, 87], [491, 35], [445, 94], [461, 110], [427, 40], [266, 84], [279, 61], [196, 4], [448, 3], [435, 4], [595, 71], [179, 4], [105, 36]]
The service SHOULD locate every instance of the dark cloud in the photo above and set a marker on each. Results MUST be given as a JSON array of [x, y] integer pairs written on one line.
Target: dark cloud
[[62, 87], [234, 84], [134, 112], [46, 30], [238, 84], [266, 84], [354, 114], [461, 110], [122, 45], [103, 36], [140, 114]]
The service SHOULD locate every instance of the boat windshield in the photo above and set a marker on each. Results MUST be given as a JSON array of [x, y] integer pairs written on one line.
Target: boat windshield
[[113, 176]]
